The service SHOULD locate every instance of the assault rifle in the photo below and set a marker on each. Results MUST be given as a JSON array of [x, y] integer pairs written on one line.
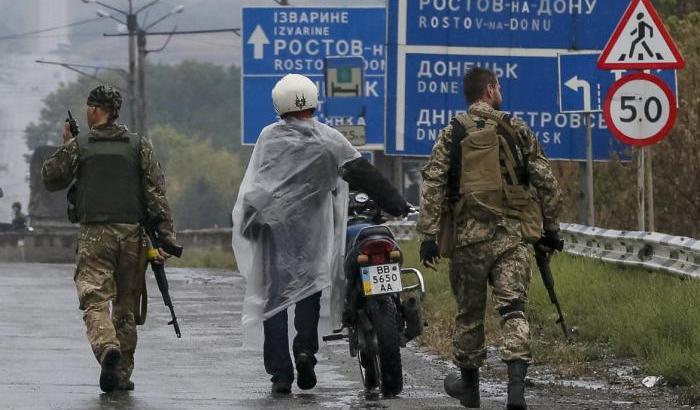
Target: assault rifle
[[542, 253], [158, 268]]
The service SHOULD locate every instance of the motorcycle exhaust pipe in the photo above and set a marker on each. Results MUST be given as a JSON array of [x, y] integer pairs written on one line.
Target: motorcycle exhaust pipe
[[414, 318]]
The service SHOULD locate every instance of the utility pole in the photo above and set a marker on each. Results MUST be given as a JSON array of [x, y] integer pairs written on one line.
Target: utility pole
[[135, 80], [132, 25], [141, 81], [141, 37]]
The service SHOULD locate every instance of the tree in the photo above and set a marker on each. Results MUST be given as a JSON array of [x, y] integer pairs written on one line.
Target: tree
[[197, 98], [202, 180], [194, 121], [194, 98], [676, 7], [677, 158], [68, 96]]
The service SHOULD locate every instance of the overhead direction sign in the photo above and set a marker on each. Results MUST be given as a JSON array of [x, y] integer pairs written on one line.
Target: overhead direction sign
[[640, 109], [640, 41], [280, 40], [583, 86], [432, 42], [560, 24]]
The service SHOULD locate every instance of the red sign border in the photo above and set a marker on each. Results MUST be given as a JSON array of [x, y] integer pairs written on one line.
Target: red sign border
[[679, 64], [663, 132]]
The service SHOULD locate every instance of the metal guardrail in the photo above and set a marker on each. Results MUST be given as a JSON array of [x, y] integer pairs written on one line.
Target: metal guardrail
[[651, 250], [656, 251]]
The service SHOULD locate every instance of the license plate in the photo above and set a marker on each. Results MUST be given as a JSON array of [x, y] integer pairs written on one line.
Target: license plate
[[381, 279]]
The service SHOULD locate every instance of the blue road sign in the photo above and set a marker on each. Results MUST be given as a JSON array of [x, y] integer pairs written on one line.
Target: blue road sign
[[582, 86], [562, 24], [425, 66], [278, 41]]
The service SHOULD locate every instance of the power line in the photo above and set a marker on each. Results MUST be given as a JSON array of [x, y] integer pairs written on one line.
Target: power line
[[236, 31], [29, 33]]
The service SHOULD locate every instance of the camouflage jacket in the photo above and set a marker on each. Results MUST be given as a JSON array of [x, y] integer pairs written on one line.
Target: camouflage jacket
[[62, 168], [468, 229]]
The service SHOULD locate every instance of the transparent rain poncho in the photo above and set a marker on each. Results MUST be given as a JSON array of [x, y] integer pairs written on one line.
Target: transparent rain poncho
[[289, 219]]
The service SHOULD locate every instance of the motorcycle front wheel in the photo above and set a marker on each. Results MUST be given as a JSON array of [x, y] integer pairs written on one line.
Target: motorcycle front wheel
[[369, 369]]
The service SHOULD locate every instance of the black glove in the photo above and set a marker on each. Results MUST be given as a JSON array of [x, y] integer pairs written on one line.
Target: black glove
[[551, 241], [429, 251], [363, 176]]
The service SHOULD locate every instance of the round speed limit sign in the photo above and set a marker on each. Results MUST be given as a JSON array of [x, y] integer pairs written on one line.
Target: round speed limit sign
[[640, 109]]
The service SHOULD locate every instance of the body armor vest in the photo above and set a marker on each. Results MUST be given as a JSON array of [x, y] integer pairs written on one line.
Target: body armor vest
[[493, 173], [108, 187]]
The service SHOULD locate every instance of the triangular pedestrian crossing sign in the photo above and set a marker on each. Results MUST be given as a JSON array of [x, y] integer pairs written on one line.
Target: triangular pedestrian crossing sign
[[640, 41]]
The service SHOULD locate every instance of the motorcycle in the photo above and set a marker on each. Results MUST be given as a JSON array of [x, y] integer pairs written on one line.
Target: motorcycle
[[382, 312]]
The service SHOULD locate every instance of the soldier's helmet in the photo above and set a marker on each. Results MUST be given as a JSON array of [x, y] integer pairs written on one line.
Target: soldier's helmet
[[106, 98]]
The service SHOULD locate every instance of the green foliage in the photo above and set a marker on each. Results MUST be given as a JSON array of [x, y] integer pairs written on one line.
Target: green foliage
[[70, 96], [202, 180], [197, 98], [194, 120], [649, 316], [676, 7], [204, 258], [676, 159]]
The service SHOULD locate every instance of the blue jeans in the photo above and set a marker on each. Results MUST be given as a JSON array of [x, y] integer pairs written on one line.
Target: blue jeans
[[278, 362]]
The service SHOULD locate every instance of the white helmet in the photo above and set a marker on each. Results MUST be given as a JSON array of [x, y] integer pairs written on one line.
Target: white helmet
[[293, 93]]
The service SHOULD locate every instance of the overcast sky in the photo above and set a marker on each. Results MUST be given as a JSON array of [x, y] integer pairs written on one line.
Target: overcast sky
[[87, 44]]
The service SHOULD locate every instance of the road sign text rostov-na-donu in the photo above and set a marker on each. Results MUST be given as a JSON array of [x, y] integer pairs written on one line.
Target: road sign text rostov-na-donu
[[428, 53]]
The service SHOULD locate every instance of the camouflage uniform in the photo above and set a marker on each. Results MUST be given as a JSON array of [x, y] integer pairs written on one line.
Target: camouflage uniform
[[491, 251], [110, 256]]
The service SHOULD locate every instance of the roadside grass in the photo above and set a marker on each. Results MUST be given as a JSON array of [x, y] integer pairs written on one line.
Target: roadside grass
[[204, 258], [627, 312]]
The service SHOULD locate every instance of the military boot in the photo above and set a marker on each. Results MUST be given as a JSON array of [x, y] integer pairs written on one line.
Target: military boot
[[126, 386], [306, 376], [109, 376], [516, 385], [464, 387]]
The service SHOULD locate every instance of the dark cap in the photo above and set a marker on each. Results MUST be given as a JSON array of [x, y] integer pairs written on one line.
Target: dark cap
[[106, 98]]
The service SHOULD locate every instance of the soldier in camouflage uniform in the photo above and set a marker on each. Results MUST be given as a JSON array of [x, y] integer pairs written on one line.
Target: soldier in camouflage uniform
[[117, 183], [489, 224]]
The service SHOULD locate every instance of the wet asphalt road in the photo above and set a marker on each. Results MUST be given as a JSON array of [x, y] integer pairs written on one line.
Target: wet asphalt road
[[46, 362]]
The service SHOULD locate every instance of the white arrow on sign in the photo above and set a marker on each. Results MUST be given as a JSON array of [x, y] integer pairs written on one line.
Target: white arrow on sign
[[575, 84], [258, 39]]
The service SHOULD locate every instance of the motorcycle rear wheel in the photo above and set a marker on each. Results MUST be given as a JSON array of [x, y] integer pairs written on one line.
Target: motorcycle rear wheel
[[384, 316]]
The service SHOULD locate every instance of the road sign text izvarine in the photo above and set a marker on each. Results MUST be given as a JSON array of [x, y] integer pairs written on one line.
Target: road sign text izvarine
[[279, 41]]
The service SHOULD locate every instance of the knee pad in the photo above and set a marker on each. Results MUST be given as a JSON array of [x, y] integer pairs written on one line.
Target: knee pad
[[514, 309]]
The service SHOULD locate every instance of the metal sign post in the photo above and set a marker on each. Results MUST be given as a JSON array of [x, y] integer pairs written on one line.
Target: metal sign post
[[640, 108], [649, 188], [590, 207], [640, 191], [582, 88]]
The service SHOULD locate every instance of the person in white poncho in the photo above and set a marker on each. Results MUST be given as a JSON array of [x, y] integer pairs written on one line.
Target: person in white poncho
[[289, 225]]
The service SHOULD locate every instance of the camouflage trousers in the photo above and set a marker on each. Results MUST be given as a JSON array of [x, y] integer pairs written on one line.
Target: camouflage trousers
[[108, 277], [504, 262]]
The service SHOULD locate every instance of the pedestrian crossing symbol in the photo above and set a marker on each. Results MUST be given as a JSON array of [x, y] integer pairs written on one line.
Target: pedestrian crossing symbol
[[640, 41]]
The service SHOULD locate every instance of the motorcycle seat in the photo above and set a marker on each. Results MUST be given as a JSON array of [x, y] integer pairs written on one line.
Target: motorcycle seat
[[374, 230]]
